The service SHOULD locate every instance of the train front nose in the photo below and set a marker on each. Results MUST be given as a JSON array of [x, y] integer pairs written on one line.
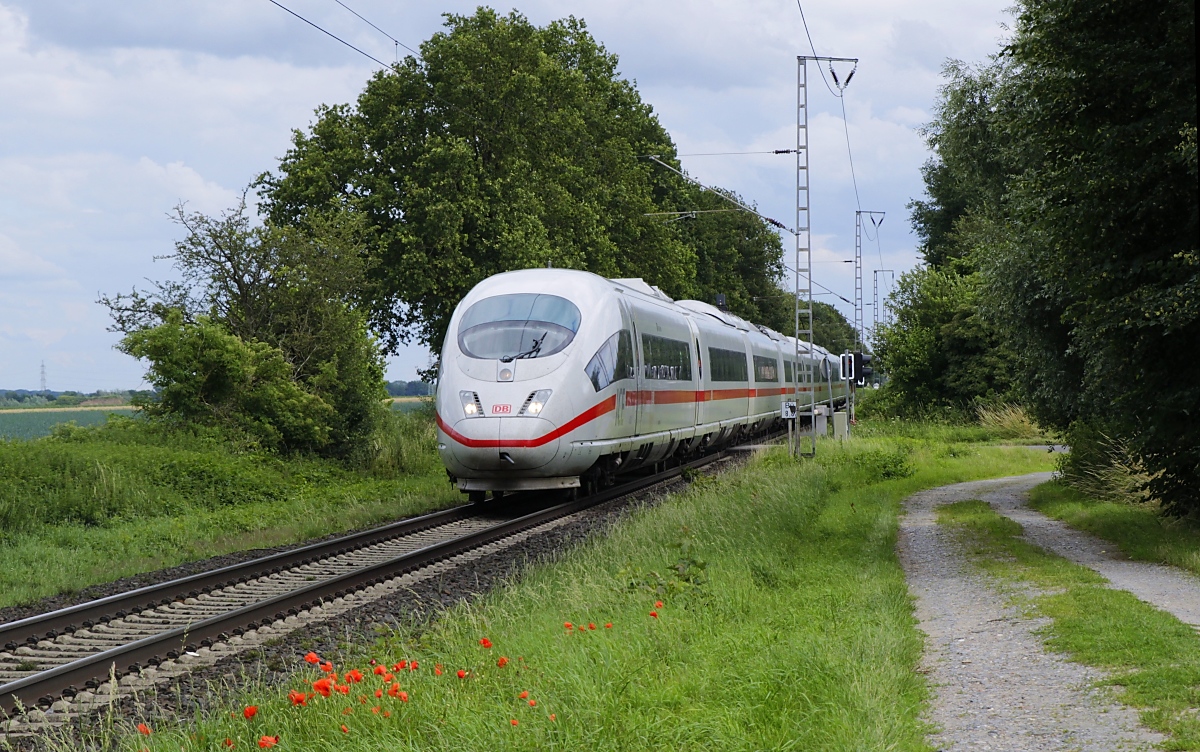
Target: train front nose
[[497, 444]]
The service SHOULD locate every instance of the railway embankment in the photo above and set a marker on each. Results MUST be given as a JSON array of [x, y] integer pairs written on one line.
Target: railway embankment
[[756, 609]]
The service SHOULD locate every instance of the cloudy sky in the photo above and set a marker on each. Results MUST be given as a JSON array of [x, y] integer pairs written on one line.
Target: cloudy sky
[[113, 113]]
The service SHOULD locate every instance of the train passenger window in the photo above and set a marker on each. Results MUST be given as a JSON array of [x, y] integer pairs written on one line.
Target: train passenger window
[[516, 326], [666, 359], [727, 365], [766, 369], [613, 361], [787, 371]]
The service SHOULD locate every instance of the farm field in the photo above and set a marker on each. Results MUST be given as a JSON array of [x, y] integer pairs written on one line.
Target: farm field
[[37, 422]]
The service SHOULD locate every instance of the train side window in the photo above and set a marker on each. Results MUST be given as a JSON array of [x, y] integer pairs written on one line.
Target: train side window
[[613, 361], [727, 365], [766, 369], [787, 372], [666, 359]]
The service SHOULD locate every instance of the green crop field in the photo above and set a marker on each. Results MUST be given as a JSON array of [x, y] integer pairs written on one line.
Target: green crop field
[[33, 425]]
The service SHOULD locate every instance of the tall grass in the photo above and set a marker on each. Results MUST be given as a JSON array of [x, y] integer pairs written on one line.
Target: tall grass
[[1008, 421]]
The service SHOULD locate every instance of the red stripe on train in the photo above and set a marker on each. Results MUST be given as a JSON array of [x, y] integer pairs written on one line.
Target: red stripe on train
[[587, 416]]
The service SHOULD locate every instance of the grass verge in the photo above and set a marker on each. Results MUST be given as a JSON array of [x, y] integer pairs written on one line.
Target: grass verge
[[1140, 531], [785, 624], [91, 505], [1153, 658]]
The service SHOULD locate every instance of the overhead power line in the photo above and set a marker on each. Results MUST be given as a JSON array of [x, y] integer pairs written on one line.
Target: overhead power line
[[376, 28], [329, 33], [690, 179]]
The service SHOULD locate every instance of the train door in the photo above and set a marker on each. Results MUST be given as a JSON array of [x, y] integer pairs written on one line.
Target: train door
[[666, 398]]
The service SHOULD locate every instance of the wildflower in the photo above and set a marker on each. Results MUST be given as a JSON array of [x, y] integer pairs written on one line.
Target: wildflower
[[513, 721], [375, 710], [387, 714], [249, 711], [266, 742], [412, 666], [532, 703], [462, 674], [552, 716], [658, 604], [524, 694], [327, 667], [400, 666], [567, 625], [343, 688], [394, 690], [437, 669], [344, 729], [389, 676], [380, 671], [312, 658], [608, 625], [403, 696], [362, 700], [502, 662], [228, 742], [323, 686], [654, 614], [298, 698], [379, 693], [485, 642], [591, 626], [143, 729], [354, 676]]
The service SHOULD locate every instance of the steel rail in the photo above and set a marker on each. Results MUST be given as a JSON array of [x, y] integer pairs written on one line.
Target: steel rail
[[61, 681], [65, 620]]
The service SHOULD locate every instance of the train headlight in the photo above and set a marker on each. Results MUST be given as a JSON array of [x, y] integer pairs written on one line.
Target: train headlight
[[536, 402], [470, 404]]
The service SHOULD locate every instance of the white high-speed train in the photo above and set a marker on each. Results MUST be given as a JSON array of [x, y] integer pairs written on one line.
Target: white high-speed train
[[554, 378]]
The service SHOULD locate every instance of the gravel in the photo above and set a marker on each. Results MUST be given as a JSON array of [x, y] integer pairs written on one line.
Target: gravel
[[996, 685], [274, 661]]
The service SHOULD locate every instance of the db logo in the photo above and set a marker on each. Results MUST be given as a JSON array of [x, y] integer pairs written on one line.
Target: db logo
[[501, 409]]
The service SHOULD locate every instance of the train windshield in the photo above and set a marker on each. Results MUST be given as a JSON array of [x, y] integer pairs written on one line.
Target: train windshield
[[518, 326]]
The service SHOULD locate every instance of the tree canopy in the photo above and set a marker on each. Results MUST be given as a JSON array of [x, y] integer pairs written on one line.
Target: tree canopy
[[509, 146]]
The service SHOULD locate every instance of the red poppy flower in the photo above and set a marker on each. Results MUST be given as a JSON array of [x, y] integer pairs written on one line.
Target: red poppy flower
[[513, 721], [567, 625], [143, 729], [375, 710], [502, 662], [437, 671], [552, 716], [485, 642], [249, 711], [400, 666], [387, 714], [532, 703], [608, 625], [389, 676], [462, 674], [394, 690], [362, 700], [228, 742], [298, 698], [344, 688], [327, 667], [312, 658], [591, 625], [266, 742], [658, 604], [344, 729], [354, 676], [412, 666], [524, 694], [654, 614], [323, 686], [403, 696], [379, 693]]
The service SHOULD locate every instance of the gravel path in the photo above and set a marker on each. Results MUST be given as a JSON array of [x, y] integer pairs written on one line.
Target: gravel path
[[997, 688]]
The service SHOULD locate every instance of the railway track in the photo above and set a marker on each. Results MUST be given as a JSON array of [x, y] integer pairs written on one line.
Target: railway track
[[55, 665]]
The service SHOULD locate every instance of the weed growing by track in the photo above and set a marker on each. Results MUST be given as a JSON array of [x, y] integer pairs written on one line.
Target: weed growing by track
[[784, 623], [1154, 658], [1140, 531], [86, 506]]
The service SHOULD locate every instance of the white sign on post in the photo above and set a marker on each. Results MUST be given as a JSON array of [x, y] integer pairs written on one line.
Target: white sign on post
[[789, 410]]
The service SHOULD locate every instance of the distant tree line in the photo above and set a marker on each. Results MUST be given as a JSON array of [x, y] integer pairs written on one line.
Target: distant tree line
[[408, 388], [505, 146], [1060, 234]]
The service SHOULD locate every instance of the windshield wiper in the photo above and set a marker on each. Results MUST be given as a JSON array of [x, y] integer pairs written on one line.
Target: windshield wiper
[[530, 353]]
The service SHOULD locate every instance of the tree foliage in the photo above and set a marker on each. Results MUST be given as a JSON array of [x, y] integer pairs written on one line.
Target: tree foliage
[[262, 332], [509, 146], [1065, 177]]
